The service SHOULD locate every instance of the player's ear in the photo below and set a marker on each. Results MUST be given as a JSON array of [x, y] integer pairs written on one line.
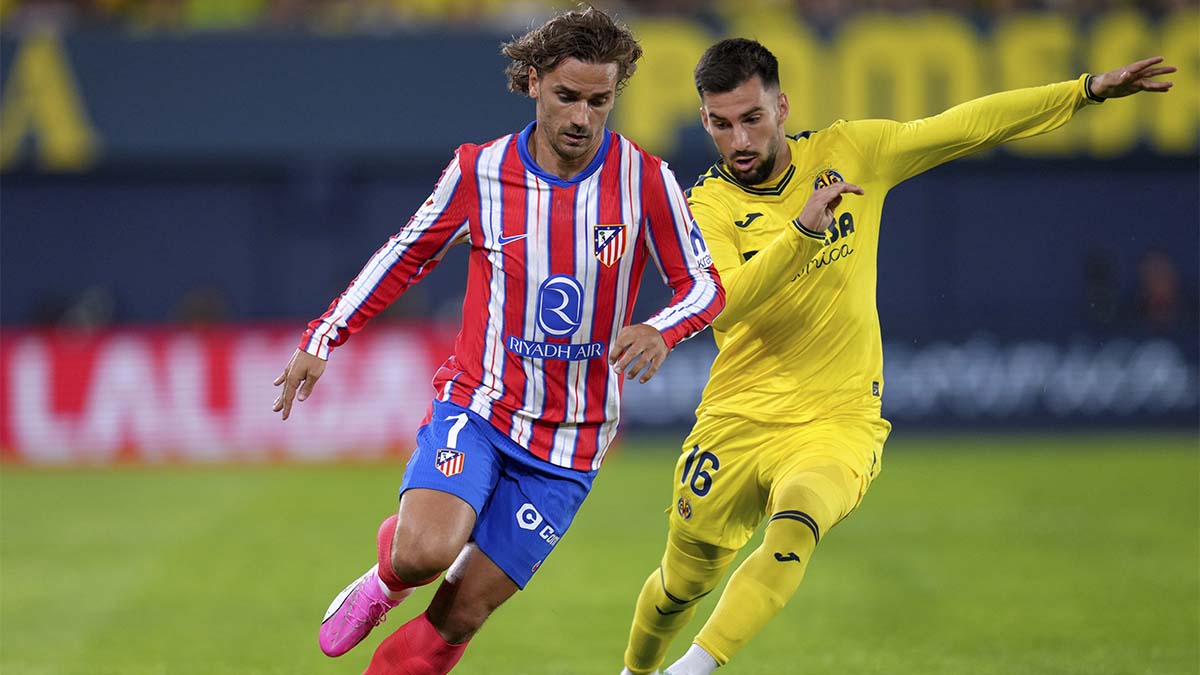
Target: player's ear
[[784, 107], [703, 117], [533, 82]]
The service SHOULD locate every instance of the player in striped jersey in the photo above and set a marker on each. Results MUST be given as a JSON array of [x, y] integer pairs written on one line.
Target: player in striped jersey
[[561, 219], [789, 428]]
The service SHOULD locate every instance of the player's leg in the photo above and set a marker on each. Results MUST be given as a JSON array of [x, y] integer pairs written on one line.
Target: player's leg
[[530, 509], [433, 642], [717, 503], [441, 494], [809, 495], [769, 576], [669, 598]]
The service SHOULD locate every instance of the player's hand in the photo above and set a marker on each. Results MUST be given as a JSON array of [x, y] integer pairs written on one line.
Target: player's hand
[[642, 346], [817, 215], [1131, 79], [302, 373]]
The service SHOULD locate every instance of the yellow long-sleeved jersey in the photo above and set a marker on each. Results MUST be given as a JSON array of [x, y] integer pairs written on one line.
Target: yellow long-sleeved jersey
[[799, 337]]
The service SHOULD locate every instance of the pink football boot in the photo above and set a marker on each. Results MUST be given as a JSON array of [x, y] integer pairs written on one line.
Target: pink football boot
[[355, 611]]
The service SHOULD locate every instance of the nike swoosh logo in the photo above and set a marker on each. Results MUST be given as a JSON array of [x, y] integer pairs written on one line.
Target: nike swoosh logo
[[503, 240]]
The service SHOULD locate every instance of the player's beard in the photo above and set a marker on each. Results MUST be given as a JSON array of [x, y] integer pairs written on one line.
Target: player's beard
[[761, 172], [569, 152]]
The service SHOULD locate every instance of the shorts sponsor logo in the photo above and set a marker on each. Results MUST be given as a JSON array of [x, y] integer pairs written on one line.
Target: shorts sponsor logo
[[450, 462], [684, 507], [528, 518]]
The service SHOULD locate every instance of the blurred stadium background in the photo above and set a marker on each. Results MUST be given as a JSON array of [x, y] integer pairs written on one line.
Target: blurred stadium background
[[184, 183]]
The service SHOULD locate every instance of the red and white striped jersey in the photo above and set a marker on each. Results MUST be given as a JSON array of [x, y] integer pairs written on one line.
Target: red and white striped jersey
[[554, 271]]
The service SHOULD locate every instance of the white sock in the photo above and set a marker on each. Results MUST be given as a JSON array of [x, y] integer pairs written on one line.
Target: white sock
[[695, 662], [394, 596]]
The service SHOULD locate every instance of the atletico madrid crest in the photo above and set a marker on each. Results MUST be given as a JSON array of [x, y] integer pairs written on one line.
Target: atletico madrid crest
[[609, 243], [450, 462]]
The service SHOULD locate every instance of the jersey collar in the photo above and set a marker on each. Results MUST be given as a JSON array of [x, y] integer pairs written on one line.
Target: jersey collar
[[532, 166], [760, 190]]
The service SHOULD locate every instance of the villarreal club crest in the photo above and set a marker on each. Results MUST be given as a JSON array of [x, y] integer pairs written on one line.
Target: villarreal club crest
[[684, 507], [826, 178]]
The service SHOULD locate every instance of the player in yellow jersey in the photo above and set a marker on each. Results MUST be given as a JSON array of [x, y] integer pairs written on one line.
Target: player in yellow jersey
[[789, 427]]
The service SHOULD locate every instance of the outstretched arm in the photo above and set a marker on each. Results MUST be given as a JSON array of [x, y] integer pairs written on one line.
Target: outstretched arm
[[903, 150]]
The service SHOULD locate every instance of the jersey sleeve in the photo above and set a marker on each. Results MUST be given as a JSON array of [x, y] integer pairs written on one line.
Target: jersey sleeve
[[899, 151], [748, 283], [678, 249], [406, 257]]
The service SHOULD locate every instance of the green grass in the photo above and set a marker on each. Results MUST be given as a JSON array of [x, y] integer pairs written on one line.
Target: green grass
[[970, 556]]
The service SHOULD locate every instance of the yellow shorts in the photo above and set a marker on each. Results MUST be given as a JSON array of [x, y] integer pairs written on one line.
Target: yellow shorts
[[725, 479]]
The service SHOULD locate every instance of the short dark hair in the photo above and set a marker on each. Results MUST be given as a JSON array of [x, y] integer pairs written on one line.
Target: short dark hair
[[726, 65], [586, 34]]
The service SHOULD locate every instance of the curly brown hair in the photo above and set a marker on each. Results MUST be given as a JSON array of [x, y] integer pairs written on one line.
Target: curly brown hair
[[587, 34]]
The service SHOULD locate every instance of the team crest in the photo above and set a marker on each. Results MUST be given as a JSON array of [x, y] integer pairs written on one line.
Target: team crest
[[609, 243], [685, 508], [450, 462], [826, 178]]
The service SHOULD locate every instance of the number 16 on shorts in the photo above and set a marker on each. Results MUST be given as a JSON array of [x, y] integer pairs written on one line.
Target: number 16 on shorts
[[696, 471]]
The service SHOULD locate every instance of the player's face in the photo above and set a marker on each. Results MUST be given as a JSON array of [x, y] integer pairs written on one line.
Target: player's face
[[746, 124], [573, 102]]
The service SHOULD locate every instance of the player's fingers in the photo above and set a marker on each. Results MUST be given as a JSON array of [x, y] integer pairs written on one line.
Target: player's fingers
[[289, 395], [655, 363], [1157, 87], [638, 366], [1144, 63], [838, 189], [627, 355], [632, 362], [282, 376], [619, 346], [1155, 72], [307, 387]]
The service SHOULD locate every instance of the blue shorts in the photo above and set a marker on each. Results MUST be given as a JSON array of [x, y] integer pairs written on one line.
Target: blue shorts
[[523, 505]]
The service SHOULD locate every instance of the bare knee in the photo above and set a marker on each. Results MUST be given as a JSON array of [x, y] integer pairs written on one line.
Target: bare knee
[[432, 528], [416, 559]]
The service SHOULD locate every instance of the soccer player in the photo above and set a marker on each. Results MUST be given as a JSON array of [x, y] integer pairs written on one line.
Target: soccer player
[[789, 426], [561, 219]]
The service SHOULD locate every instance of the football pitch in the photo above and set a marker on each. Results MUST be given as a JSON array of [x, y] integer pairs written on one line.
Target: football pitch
[[972, 555]]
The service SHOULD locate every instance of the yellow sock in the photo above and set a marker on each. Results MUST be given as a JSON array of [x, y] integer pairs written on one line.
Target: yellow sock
[[689, 571], [801, 506]]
